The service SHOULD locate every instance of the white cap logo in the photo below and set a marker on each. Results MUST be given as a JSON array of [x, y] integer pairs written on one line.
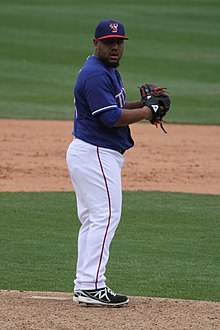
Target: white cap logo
[[114, 27]]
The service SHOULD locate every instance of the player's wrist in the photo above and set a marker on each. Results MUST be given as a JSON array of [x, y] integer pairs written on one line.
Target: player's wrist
[[148, 115], [134, 104]]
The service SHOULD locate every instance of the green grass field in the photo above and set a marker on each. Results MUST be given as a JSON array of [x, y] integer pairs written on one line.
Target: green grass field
[[168, 243], [45, 42], [168, 251]]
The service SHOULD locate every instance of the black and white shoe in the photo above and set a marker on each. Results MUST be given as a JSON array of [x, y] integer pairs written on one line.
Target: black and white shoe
[[104, 296], [76, 296]]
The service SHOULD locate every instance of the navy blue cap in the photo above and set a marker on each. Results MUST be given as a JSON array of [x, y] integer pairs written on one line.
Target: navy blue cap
[[110, 29]]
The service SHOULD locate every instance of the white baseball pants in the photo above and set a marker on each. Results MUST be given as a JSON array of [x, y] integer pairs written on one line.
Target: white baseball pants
[[95, 173]]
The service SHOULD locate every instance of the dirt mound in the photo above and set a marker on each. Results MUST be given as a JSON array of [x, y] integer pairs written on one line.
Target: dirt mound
[[50, 310]]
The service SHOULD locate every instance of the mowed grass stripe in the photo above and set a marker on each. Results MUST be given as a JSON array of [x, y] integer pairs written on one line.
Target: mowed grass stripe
[[167, 244], [45, 43]]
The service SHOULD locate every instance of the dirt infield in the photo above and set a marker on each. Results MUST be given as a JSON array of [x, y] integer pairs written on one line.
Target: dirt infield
[[32, 158], [186, 159]]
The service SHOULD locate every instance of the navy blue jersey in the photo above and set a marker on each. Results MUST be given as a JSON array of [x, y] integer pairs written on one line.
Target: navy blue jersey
[[99, 96]]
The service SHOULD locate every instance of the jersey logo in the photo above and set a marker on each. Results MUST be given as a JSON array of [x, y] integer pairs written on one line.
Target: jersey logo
[[120, 98]]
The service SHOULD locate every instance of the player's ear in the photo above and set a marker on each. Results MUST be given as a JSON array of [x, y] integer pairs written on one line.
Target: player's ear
[[95, 42]]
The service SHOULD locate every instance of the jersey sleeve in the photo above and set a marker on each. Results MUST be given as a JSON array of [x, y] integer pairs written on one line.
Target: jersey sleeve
[[109, 118], [101, 99]]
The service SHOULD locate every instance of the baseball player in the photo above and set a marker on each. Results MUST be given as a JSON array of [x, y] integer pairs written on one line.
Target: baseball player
[[95, 158]]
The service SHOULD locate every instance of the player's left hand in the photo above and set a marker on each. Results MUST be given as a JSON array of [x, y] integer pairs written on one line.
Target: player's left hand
[[157, 99]]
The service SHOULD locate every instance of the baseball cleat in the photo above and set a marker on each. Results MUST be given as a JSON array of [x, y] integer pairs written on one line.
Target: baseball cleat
[[101, 297], [75, 296]]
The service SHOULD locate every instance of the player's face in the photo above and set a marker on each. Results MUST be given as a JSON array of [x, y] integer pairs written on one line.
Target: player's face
[[109, 51]]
